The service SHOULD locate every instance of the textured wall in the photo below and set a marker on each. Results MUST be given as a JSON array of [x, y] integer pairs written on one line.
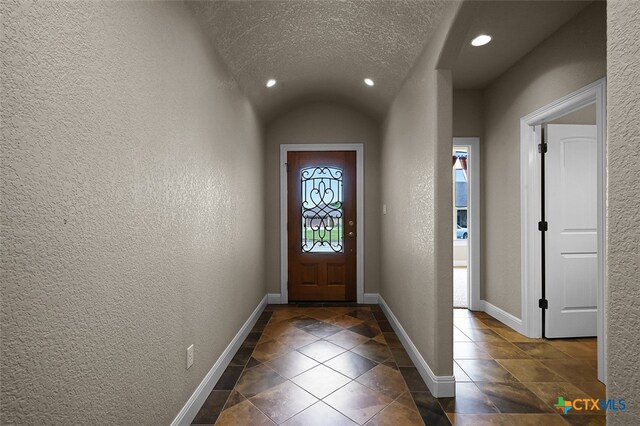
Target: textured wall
[[571, 58], [468, 117], [131, 178], [623, 73], [417, 251], [321, 123]]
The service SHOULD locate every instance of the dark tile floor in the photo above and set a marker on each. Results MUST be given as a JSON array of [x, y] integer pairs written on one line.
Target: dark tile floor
[[344, 365]]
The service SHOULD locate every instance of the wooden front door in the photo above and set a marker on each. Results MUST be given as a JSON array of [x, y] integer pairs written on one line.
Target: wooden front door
[[321, 215]]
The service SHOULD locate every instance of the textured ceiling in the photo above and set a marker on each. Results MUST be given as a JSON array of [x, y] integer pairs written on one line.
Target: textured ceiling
[[517, 27], [319, 50]]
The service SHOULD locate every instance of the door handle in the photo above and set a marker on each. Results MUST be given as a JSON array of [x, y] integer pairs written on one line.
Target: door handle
[[351, 234]]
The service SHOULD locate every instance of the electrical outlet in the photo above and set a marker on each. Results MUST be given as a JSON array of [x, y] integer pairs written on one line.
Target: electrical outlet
[[384, 209], [189, 356]]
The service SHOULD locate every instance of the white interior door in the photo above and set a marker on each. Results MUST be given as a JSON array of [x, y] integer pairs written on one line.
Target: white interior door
[[572, 237]]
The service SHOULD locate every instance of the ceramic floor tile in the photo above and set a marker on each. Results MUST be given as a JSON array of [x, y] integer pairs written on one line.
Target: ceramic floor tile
[[345, 321], [258, 379], [385, 380], [297, 338], [357, 402], [234, 399], [322, 329], [549, 392], [459, 373], [350, 364], [502, 350], [242, 356], [320, 381], [529, 370], [483, 335], [264, 352], [586, 420], [366, 329], [469, 350], [229, 378], [283, 401], [252, 363], [380, 339], [385, 326], [392, 340], [413, 379], [484, 370], [275, 329], [507, 420], [469, 399], [429, 409], [513, 398], [347, 339], [212, 407], [244, 413], [468, 322], [459, 336], [593, 388], [541, 350], [291, 364], [407, 400], [511, 335], [252, 339], [303, 321], [362, 314], [319, 414], [572, 370], [396, 414], [321, 350], [575, 348], [373, 350], [401, 357]]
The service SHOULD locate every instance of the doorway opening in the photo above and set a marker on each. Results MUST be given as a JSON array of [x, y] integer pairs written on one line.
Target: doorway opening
[[466, 223], [460, 228], [563, 219], [319, 232]]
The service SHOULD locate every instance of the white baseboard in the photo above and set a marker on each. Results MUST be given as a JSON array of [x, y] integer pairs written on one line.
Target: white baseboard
[[200, 395], [274, 299], [371, 298], [502, 316], [440, 386]]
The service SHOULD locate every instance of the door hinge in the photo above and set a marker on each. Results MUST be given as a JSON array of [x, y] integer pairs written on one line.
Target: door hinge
[[543, 226], [542, 148], [543, 304]]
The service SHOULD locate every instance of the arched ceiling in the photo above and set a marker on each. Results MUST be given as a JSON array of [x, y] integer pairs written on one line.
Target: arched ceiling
[[319, 50], [323, 49]]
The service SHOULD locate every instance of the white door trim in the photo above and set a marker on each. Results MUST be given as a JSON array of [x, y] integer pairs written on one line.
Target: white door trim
[[473, 146], [284, 258], [530, 208]]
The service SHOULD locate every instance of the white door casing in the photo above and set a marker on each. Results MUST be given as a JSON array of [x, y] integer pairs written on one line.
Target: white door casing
[[572, 236]]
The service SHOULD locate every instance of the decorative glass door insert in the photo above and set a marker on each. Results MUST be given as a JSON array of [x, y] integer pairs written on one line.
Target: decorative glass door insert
[[322, 195]]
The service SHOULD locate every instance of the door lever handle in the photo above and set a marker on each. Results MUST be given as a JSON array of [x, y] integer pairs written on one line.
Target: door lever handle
[[351, 234]]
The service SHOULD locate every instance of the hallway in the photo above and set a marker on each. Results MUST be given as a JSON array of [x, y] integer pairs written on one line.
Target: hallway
[[344, 365]]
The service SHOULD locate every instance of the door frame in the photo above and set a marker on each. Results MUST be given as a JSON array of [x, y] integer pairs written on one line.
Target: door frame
[[284, 258], [530, 186], [473, 283]]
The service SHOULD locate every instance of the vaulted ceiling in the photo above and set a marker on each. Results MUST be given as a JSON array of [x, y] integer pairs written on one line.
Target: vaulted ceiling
[[323, 49]]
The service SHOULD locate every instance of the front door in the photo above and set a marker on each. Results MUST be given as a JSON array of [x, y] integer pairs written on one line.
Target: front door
[[321, 225], [572, 237]]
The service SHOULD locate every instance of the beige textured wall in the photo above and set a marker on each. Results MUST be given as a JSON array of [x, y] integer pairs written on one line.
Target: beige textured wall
[[131, 178], [417, 250], [571, 58], [322, 123], [468, 119], [623, 103]]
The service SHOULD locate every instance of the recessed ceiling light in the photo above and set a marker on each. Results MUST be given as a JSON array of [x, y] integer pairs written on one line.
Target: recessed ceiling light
[[368, 82], [271, 82], [481, 40]]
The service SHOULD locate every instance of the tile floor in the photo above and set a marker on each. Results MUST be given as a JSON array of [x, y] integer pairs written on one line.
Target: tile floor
[[344, 365]]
